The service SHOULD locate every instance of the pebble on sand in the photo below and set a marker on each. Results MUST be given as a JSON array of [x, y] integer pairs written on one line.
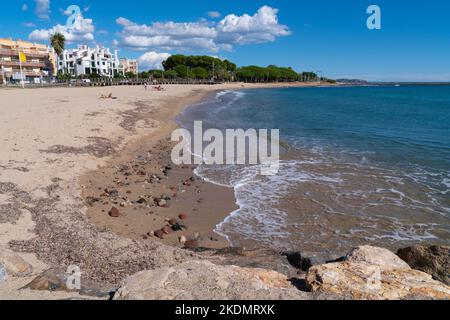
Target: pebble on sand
[[159, 234], [114, 212], [167, 230], [182, 216]]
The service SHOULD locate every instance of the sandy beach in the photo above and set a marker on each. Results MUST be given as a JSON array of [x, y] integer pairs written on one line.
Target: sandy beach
[[61, 146]]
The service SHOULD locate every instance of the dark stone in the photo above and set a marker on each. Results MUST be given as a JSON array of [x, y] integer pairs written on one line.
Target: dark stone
[[296, 260], [113, 193], [433, 260], [159, 234], [178, 227], [92, 200], [114, 212]]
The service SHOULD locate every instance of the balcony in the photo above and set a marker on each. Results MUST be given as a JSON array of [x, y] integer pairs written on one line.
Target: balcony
[[24, 64], [25, 73], [15, 53]]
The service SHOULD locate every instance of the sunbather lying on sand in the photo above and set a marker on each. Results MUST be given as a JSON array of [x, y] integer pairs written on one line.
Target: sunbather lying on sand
[[158, 88], [109, 96]]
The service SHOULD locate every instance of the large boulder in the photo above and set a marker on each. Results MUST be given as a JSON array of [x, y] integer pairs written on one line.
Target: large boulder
[[383, 258], [433, 260], [12, 264], [203, 280], [375, 274], [56, 279]]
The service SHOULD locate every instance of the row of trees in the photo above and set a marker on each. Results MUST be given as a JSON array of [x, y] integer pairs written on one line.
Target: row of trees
[[206, 67]]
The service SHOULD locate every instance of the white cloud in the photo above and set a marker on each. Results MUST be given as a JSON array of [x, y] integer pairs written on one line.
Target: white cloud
[[214, 14], [208, 36], [42, 9], [24, 7], [82, 30], [263, 26], [152, 60]]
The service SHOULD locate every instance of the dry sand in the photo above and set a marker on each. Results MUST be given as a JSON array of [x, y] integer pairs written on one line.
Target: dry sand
[[51, 137]]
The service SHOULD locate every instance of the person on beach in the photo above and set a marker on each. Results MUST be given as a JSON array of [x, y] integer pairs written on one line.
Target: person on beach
[[109, 96], [145, 86]]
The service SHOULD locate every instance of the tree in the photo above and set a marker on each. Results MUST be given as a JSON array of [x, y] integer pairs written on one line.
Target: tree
[[58, 42], [200, 73], [201, 67], [130, 75]]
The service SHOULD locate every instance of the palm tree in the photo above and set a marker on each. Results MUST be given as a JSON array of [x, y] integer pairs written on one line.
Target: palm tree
[[58, 42]]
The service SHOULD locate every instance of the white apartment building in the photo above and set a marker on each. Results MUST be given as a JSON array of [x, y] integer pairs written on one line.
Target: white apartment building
[[86, 61]]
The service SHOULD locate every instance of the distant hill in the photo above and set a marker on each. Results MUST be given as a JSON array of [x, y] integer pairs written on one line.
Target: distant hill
[[352, 81]]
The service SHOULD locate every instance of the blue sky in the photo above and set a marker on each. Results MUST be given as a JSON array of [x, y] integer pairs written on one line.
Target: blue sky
[[412, 45]]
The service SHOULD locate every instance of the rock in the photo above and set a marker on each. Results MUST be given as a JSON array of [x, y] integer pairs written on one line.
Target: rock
[[178, 227], [56, 280], [433, 260], [250, 258], [161, 203], [113, 193], [167, 230], [159, 234], [182, 239], [296, 260], [381, 257], [190, 244], [173, 222], [182, 216], [114, 212], [92, 200], [13, 265], [203, 280], [375, 274]]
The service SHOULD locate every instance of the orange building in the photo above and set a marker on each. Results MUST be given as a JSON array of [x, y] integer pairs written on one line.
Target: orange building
[[39, 66]]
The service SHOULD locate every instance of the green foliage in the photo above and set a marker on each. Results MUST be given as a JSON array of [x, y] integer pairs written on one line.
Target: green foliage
[[58, 42], [63, 76], [94, 76], [269, 74], [200, 73], [206, 67], [200, 67], [118, 75], [130, 75], [309, 76], [170, 74]]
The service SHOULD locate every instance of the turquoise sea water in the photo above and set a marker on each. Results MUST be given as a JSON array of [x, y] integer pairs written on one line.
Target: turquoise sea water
[[369, 164]]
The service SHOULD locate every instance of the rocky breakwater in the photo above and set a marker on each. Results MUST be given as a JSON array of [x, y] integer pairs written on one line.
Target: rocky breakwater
[[203, 280], [366, 273]]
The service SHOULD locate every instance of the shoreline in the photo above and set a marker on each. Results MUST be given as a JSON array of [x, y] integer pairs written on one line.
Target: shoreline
[[195, 201]]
